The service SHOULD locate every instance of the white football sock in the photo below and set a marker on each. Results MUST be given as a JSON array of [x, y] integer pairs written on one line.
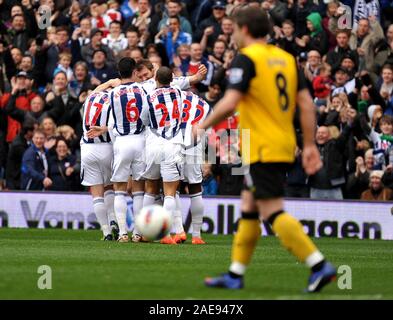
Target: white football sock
[[121, 211], [137, 198], [177, 217], [170, 206], [148, 199], [314, 258], [238, 268], [100, 212], [109, 199], [197, 209]]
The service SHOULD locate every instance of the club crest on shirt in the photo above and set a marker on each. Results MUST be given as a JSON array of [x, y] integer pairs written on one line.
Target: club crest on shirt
[[235, 75]]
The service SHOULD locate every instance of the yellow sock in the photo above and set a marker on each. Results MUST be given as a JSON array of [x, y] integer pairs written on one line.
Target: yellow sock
[[293, 237], [246, 238]]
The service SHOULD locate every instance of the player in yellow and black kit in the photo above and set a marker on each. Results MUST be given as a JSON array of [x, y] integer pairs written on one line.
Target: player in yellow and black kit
[[265, 87]]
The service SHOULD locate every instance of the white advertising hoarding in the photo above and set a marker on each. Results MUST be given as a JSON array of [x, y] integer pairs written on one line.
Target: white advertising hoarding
[[338, 219]]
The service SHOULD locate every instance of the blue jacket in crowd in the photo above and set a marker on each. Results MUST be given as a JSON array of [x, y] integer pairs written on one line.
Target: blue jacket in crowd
[[33, 169]]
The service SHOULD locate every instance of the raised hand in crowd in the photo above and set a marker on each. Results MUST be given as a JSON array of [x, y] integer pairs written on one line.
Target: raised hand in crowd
[[14, 86], [266, 5], [389, 168], [208, 31], [74, 8], [176, 60], [360, 166], [302, 42], [52, 94], [77, 32], [163, 32], [277, 32], [83, 96]]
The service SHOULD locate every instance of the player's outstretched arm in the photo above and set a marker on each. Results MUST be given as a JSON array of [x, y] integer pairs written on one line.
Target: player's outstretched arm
[[109, 84], [222, 110], [199, 76], [96, 131], [311, 158]]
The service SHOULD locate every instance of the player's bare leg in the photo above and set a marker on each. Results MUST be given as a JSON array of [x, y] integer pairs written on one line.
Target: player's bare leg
[[151, 191], [100, 210], [129, 186], [121, 209]]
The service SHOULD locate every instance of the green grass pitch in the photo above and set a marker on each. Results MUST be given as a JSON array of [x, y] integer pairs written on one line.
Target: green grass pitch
[[85, 268]]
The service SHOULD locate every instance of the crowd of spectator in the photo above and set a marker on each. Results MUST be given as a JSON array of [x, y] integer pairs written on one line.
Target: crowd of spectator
[[344, 49]]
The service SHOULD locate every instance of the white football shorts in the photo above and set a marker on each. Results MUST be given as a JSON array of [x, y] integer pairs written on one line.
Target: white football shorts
[[96, 163], [192, 170], [128, 157], [164, 159]]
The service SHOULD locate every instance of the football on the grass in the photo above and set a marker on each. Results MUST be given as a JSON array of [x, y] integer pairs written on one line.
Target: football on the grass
[[153, 222]]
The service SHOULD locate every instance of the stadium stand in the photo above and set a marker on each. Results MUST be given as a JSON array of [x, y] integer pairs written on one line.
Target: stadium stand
[[45, 74]]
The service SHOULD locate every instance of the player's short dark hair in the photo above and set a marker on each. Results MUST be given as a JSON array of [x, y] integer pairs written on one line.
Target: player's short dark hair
[[256, 21], [126, 67], [164, 75], [144, 63]]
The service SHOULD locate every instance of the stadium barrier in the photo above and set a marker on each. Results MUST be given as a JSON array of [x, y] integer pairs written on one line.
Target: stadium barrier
[[337, 219]]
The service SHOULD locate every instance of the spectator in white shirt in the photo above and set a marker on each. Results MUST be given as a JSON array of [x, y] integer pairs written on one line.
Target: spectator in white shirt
[[116, 39]]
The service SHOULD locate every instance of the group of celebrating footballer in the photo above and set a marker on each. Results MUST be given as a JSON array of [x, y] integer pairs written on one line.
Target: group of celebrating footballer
[[137, 133]]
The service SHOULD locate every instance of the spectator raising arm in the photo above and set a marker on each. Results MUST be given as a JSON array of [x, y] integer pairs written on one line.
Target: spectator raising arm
[[11, 109]]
